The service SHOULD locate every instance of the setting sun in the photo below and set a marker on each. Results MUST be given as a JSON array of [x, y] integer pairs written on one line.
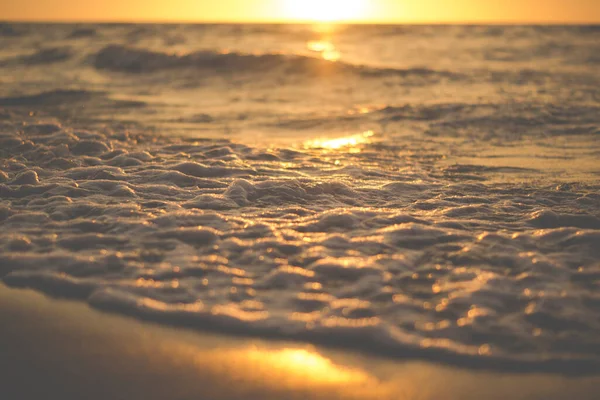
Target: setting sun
[[325, 10], [293, 11]]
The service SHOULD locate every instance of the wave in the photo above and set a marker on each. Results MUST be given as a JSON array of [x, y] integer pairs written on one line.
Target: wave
[[10, 30], [499, 120], [53, 97], [83, 32], [48, 56], [44, 56], [61, 104], [135, 60], [215, 235]]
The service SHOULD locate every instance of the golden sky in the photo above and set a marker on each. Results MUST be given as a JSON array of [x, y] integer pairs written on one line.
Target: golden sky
[[378, 11]]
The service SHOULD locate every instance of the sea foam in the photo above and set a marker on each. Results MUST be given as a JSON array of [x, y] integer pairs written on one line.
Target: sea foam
[[493, 275]]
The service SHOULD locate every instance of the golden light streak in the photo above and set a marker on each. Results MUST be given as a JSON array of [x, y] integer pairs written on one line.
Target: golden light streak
[[327, 49], [307, 365], [351, 142]]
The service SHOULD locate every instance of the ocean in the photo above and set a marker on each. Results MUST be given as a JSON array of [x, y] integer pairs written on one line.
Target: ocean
[[418, 192]]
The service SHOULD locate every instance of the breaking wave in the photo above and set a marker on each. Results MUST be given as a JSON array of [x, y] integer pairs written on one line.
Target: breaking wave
[[135, 60], [216, 235]]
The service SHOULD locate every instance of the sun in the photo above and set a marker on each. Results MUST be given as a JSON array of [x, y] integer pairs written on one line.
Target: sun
[[325, 10]]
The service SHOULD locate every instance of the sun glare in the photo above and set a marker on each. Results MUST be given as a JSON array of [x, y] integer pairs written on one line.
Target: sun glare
[[325, 10], [307, 366]]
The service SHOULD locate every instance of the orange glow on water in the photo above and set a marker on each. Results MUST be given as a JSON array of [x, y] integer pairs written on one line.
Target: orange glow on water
[[326, 48], [307, 365], [351, 142]]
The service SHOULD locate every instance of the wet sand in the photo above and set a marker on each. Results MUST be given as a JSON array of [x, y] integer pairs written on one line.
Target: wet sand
[[57, 349]]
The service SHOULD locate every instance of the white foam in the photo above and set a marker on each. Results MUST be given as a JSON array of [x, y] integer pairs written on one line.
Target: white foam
[[488, 274]]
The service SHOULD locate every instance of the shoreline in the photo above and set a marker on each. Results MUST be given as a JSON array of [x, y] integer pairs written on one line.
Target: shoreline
[[68, 350]]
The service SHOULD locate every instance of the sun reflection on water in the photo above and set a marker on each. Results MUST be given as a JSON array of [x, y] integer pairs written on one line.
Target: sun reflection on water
[[350, 142], [325, 48], [307, 365]]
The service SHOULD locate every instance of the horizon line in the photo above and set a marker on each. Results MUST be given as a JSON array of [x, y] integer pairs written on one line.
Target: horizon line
[[303, 22]]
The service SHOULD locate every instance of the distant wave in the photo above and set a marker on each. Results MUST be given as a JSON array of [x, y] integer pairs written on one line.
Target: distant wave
[[48, 56], [136, 60], [506, 120], [68, 98], [48, 98], [82, 32], [9, 30], [40, 57]]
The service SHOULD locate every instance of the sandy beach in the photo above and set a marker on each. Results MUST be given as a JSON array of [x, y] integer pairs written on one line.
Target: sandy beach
[[66, 350]]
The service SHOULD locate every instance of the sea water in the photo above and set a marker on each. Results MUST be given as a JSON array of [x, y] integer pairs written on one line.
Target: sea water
[[422, 192]]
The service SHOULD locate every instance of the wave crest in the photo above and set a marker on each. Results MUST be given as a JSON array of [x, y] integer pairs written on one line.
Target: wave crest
[[136, 60]]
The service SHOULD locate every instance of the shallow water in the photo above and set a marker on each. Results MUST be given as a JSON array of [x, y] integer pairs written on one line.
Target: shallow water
[[150, 362], [422, 192]]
